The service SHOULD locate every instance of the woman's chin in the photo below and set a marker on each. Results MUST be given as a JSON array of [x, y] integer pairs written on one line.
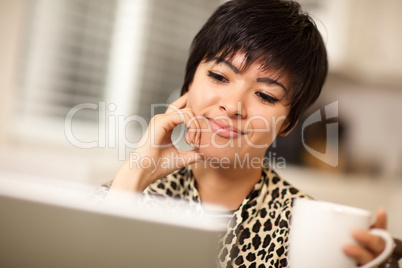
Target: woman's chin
[[222, 156]]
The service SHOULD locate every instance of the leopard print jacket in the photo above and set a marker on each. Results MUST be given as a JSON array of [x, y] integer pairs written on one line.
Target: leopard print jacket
[[257, 233]]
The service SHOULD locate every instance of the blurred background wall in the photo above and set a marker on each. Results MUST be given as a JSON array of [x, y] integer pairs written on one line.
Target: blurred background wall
[[115, 58]]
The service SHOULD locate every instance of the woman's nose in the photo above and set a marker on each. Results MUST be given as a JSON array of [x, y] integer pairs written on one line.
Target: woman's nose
[[233, 105]]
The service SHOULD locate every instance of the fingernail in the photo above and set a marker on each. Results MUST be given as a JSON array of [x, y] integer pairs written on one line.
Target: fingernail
[[186, 138]]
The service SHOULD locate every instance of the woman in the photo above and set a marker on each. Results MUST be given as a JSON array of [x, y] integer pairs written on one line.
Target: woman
[[253, 69]]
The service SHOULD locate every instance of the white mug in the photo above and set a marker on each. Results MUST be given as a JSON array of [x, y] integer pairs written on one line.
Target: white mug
[[319, 230]]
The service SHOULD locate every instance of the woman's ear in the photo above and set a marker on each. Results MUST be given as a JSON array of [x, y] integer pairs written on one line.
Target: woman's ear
[[284, 126]]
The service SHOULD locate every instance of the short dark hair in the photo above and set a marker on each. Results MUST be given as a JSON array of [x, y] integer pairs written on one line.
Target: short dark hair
[[277, 33]]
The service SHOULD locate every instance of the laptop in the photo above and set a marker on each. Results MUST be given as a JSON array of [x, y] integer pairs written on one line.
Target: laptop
[[53, 225]]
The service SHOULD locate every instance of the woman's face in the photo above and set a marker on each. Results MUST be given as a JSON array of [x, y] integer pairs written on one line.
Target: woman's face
[[240, 113]]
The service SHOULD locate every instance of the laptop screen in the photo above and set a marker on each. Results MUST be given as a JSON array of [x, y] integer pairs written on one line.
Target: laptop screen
[[45, 225]]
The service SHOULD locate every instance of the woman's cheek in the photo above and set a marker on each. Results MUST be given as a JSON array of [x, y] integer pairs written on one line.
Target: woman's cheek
[[197, 98], [190, 98]]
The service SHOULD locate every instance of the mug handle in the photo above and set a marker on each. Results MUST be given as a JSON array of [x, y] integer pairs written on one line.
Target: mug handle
[[389, 247]]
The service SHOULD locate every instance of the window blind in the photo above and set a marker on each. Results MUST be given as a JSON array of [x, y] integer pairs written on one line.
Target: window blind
[[128, 52], [66, 55]]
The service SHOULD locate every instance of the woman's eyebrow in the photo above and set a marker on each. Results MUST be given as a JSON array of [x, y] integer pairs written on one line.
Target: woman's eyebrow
[[271, 81], [227, 63]]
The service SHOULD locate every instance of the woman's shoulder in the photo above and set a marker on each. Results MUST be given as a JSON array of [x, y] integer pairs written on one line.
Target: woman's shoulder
[[279, 187], [274, 193], [179, 184], [269, 203]]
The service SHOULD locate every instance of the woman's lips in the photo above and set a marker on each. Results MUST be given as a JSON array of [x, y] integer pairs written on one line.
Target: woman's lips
[[224, 130]]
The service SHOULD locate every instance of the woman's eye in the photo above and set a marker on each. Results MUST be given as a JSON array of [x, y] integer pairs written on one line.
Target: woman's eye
[[267, 98], [217, 77]]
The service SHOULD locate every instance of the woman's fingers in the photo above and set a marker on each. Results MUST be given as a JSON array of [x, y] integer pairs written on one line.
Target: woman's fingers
[[360, 254], [163, 124], [373, 243], [178, 104], [369, 246], [193, 127], [187, 117], [156, 147], [381, 221]]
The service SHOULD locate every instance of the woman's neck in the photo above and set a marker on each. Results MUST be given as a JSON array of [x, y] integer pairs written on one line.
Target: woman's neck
[[224, 187]]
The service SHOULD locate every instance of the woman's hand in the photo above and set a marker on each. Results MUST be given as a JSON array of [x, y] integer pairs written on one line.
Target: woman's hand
[[156, 156], [369, 245]]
